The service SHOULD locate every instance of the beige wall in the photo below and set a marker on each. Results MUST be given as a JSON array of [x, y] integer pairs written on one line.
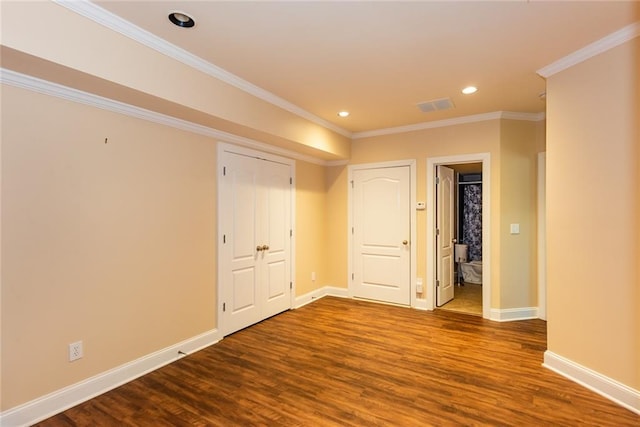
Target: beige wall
[[518, 205], [112, 244], [336, 226], [593, 221], [311, 211]]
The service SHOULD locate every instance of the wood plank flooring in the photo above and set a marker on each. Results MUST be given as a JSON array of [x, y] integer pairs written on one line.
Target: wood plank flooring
[[341, 362], [466, 299]]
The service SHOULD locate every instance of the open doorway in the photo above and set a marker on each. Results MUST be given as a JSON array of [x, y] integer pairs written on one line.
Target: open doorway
[[471, 235], [467, 239]]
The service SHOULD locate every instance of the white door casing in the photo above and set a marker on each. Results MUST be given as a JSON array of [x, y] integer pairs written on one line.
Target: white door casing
[[542, 236], [445, 234], [432, 163], [255, 224], [381, 234]]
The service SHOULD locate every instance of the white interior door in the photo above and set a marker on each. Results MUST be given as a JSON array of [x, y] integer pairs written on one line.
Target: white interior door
[[275, 232], [255, 254], [444, 234], [381, 234]]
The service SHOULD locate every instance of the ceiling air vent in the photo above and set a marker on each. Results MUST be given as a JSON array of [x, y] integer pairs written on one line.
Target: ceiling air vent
[[436, 105]]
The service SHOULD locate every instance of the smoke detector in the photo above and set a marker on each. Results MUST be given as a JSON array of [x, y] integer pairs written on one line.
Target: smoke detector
[[436, 105]]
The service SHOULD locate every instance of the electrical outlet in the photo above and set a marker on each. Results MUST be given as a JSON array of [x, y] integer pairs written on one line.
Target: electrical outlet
[[419, 285], [75, 351]]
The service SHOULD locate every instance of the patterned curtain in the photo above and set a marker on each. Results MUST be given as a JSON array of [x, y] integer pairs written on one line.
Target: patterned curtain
[[472, 220]]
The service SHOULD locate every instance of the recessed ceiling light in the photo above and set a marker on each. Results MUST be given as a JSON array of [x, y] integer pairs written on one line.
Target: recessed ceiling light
[[181, 19], [469, 90], [343, 114]]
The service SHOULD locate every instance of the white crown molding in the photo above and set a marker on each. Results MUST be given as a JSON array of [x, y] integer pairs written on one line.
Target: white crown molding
[[613, 390], [67, 397], [114, 22], [23, 81], [451, 122], [608, 42]]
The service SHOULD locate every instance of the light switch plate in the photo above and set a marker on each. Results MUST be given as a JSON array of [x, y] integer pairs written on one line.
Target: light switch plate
[[515, 228]]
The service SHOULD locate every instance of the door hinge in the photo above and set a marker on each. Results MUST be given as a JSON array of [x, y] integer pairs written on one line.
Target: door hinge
[[352, 276], [351, 183], [224, 171], [437, 283], [290, 233], [224, 238], [437, 180], [437, 231], [290, 181], [224, 306], [351, 230], [290, 285]]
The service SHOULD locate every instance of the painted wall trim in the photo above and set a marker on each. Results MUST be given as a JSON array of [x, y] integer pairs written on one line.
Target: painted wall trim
[[45, 87], [611, 389], [325, 291], [65, 398], [534, 117], [511, 314], [112, 21], [604, 44]]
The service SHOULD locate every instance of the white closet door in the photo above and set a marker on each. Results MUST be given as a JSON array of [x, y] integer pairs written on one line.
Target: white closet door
[[240, 279], [256, 251], [274, 230]]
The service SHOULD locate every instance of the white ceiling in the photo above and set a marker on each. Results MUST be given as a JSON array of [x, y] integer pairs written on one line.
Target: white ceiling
[[379, 59]]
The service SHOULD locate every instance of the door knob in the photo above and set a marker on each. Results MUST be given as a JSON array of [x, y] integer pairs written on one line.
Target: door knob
[[265, 247], [405, 242], [258, 248]]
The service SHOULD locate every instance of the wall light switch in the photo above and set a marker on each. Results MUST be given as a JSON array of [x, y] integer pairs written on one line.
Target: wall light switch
[[515, 228]]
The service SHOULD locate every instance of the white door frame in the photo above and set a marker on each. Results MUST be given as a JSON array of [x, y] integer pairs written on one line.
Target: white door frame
[[430, 283], [411, 163], [542, 236], [226, 147]]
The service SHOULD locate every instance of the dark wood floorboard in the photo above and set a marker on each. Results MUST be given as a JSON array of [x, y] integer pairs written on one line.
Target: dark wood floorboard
[[341, 362]]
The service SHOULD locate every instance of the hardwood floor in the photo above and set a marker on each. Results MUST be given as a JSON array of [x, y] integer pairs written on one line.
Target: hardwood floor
[[341, 362], [467, 299]]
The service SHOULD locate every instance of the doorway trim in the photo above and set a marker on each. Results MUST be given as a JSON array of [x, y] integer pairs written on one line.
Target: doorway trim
[[432, 162], [542, 236], [411, 163]]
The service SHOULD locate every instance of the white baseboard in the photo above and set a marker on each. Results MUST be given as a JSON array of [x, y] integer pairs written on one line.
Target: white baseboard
[[421, 304], [511, 314], [613, 390], [320, 293], [63, 399]]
